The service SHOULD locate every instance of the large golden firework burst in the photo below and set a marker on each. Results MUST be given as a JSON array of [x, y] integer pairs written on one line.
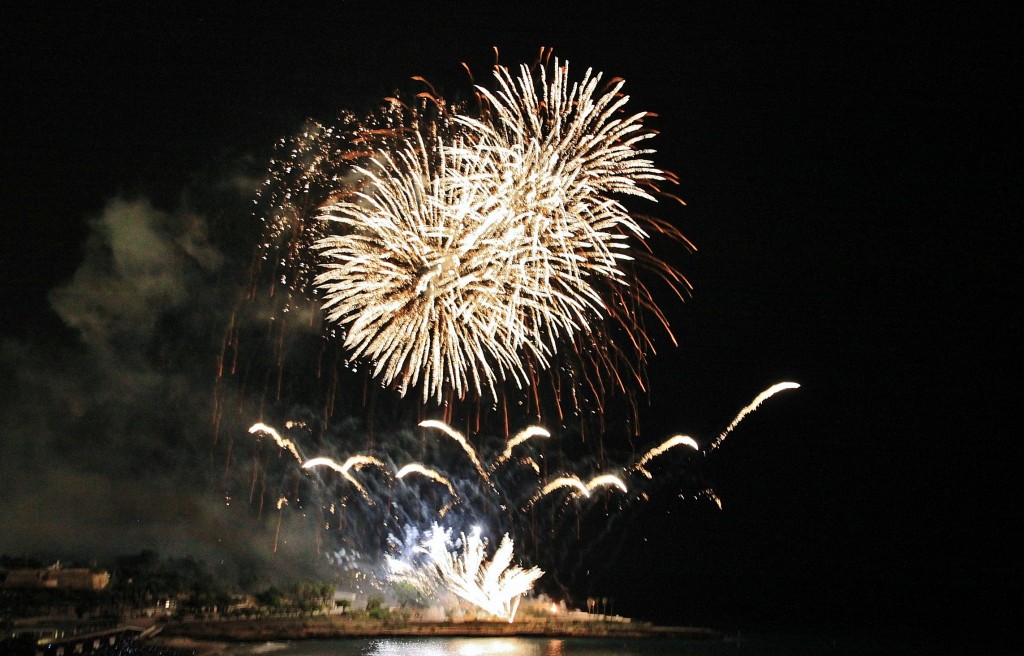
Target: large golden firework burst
[[464, 263]]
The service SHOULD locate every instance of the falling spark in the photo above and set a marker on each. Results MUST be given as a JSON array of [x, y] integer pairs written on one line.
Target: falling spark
[[711, 494], [277, 531]]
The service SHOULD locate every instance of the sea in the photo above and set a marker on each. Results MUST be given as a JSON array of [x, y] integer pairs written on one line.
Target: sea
[[739, 645]]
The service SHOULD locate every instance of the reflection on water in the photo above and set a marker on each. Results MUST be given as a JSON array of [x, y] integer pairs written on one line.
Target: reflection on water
[[492, 647], [465, 647]]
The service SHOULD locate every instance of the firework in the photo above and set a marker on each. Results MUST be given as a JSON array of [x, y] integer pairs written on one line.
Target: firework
[[343, 469], [415, 467], [453, 255], [753, 405], [281, 441], [519, 438], [674, 441], [495, 586], [458, 437], [466, 264], [581, 488]]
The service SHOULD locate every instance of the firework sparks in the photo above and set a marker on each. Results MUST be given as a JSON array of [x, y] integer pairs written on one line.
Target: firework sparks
[[343, 469], [580, 488], [674, 441], [458, 437], [758, 400], [516, 440], [470, 262], [281, 441], [415, 467], [495, 586]]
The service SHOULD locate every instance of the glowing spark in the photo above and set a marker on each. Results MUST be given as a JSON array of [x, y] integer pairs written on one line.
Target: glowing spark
[[458, 437], [677, 440], [429, 473], [519, 438], [758, 400], [281, 442]]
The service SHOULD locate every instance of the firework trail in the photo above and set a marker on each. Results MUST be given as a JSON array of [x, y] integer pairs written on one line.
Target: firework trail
[[281, 442], [674, 441], [581, 488], [758, 400], [458, 437], [343, 469], [519, 438], [417, 468], [606, 480]]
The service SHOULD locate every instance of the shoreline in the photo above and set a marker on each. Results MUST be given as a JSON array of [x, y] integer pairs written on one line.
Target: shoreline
[[222, 637]]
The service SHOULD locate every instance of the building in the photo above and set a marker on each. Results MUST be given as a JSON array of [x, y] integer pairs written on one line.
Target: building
[[55, 577]]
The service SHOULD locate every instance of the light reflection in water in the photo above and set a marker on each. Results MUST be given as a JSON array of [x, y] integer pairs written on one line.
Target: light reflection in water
[[465, 647]]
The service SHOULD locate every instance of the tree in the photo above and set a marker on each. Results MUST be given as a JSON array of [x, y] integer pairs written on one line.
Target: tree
[[408, 595]]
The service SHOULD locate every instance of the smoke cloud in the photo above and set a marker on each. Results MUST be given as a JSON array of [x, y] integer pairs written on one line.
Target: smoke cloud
[[108, 443]]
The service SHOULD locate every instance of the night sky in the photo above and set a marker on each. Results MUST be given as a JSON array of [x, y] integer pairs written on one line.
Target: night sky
[[847, 187]]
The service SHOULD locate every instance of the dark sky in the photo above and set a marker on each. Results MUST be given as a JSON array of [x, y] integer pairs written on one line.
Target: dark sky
[[846, 180]]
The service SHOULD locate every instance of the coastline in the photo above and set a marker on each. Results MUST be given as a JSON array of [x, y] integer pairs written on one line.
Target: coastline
[[214, 638]]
